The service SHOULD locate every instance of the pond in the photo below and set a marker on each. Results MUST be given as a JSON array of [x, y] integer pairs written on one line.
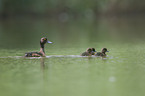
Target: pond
[[63, 72]]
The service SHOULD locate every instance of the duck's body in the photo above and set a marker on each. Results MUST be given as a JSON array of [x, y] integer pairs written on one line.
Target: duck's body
[[41, 53], [33, 54], [88, 52], [102, 53]]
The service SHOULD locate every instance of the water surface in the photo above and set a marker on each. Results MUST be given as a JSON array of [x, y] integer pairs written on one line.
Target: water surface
[[63, 72]]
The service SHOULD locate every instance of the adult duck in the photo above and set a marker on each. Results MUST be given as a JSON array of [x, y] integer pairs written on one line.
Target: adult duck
[[41, 53]]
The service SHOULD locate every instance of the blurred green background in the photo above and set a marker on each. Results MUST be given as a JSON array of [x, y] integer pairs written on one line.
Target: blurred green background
[[24, 22], [73, 8]]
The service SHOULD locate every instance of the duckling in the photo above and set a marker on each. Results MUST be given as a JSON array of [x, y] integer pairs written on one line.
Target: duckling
[[43, 41], [87, 53], [93, 51], [102, 53]]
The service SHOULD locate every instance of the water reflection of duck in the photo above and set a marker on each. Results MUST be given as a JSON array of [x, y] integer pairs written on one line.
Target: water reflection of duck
[[43, 41], [88, 52], [102, 53]]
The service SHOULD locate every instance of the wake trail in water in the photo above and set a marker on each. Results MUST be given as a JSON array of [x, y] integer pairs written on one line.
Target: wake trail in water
[[50, 56]]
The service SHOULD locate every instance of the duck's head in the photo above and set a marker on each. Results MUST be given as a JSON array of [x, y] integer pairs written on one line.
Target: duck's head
[[104, 50], [44, 41], [93, 50], [89, 50]]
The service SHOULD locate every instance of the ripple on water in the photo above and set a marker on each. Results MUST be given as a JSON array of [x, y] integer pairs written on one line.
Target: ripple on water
[[51, 56]]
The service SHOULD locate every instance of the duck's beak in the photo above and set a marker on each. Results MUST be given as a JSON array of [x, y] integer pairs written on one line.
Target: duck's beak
[[49, 42], [107, 51]]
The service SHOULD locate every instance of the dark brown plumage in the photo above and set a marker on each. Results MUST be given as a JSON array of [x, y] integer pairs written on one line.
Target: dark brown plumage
[[102, 53], [88, 52]]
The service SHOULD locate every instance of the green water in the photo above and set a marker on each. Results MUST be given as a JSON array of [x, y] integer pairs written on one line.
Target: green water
[[121, 73]]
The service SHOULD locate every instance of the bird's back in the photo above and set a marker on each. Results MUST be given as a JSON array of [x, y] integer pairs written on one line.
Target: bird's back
[[33, 54], [85, 54]]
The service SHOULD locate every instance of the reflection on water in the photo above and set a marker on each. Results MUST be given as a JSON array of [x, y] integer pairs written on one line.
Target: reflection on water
[[54, 82], [42, 63]]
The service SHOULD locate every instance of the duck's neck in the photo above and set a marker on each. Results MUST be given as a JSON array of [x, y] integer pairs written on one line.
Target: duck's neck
[[42, 49]]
